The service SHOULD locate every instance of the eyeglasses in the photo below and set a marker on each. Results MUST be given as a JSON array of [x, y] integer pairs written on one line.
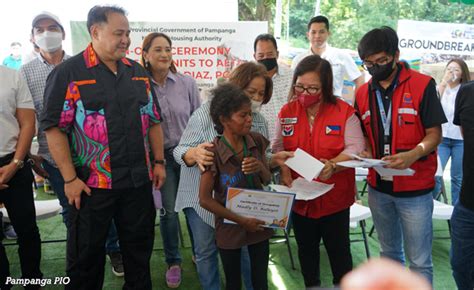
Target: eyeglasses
[[310, 90], [381, 61]]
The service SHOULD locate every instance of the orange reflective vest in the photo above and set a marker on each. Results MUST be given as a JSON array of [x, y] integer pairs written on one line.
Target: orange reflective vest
[[326, 140], [407, 128]]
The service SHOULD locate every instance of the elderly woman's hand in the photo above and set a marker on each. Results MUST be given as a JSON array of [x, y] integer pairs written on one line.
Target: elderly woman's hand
[[251, 165], [285, 176], [202, 156]]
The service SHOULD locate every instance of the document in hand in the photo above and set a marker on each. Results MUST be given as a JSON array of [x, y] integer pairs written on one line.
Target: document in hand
[[304, 190], [305, 164], [383, 171], [377, 164], [362, 162]]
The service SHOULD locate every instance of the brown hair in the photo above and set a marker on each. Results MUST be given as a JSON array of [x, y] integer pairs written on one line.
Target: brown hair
[[242, 75], [465, 76], [147, 41], [314, 63]]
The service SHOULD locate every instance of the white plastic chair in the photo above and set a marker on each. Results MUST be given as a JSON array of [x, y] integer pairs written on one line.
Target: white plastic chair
[[361, 175], [44, 209], [358, 214], [443, 211], [439, 173]]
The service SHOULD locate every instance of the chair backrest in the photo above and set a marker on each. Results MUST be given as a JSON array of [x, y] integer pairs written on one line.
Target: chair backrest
[[442, 211], [359, 212]]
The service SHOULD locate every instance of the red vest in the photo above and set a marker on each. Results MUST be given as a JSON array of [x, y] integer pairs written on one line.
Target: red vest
[[407, 128], [325, 141]]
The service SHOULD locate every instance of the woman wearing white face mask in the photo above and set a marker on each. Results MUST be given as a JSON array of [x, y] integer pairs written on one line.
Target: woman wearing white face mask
[[252, 78], [452, 145]]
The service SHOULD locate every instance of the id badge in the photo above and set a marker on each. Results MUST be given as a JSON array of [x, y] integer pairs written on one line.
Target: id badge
[[386, 149], [386, 152]]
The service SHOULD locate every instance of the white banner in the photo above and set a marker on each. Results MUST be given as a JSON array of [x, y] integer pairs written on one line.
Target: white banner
[[206, 51], [435, 37]]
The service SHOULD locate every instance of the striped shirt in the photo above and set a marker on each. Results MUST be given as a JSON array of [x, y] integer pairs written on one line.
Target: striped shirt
[[35, 73], [281, 89], [200, 129]]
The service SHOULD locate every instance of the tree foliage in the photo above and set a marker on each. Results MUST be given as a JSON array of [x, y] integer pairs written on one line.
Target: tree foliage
[[257, 10], [351, 19]]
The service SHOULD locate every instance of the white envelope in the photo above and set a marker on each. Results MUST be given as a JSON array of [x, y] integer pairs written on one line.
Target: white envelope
[[305, 164]]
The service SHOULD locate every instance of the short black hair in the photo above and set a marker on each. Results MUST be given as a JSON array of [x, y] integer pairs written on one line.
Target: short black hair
[[383, 39], [15, 43], [99, 14], [228, 99], [265, 37], [319, 19]]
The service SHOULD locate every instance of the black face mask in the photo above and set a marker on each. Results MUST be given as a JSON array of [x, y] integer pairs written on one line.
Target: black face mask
[[381, 72], [269, 63]]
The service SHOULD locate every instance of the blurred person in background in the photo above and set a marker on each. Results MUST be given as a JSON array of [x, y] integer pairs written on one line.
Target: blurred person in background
[[13, 61], [452, 145]]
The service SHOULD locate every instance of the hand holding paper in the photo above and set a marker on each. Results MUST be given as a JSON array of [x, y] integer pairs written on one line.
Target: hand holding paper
[[305, 165], [362, 162], [379, 165]]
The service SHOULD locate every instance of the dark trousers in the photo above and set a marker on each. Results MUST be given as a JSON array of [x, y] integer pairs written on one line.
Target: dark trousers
[[134, 214], [18, 200], [259, 255], [334, 230]]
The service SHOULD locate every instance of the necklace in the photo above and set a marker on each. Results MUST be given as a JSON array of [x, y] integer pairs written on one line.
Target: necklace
[[311, 116]]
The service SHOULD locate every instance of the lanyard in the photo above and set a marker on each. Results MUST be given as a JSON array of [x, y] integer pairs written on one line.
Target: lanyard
[[246, 154], [386, 118]]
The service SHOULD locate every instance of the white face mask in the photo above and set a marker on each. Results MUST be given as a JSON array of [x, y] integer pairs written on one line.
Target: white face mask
[[256, 106], [49, 41]]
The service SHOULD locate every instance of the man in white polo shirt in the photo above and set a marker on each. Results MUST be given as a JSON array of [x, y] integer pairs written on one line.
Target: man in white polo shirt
[[341, 62], [17, 119]]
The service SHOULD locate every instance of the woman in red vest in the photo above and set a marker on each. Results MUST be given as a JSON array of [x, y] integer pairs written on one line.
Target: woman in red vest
[[326, 127]]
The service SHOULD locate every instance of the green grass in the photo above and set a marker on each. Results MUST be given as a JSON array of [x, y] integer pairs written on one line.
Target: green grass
[[280, 274]]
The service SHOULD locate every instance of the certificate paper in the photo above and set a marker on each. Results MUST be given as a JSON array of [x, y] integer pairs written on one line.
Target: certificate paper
[[273, 208]]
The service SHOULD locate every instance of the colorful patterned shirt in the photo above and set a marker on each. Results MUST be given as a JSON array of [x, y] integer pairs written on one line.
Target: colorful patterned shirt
[[106, 116]]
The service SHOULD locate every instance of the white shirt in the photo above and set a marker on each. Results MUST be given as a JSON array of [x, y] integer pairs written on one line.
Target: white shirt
[[14, 94], [341, 64], [447, 101], [281, 89]]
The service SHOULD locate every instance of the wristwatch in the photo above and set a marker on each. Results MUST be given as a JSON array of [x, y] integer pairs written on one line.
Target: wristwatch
[[19, 163], [159, 161]]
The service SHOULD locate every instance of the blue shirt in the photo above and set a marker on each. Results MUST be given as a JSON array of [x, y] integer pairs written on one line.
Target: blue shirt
[[11, 62]]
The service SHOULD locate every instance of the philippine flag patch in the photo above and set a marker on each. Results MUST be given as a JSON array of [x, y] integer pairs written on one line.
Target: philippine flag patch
[[333, 130]]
